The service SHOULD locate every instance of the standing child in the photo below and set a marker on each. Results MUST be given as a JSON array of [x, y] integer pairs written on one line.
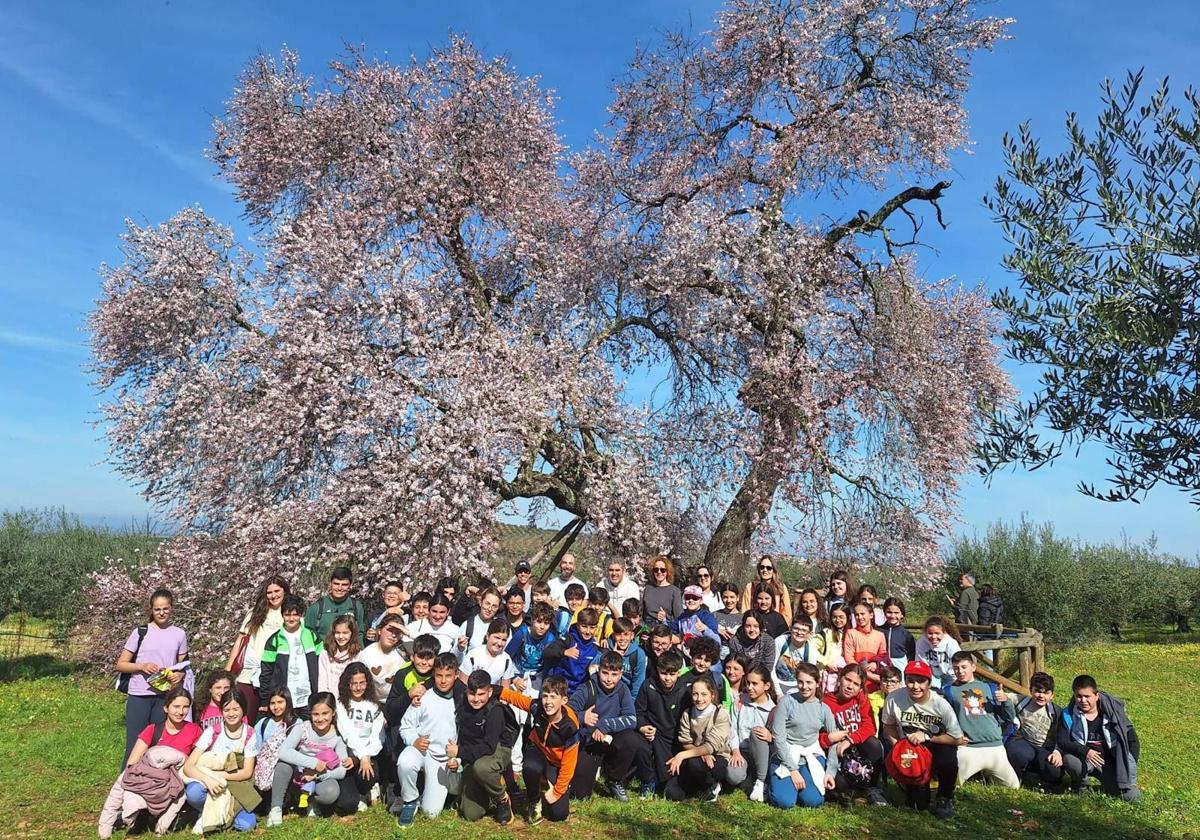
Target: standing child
[[983, 715], [935, 648], [1036, 733], [801, 770], [729, 617], [360, 723], [695, 620], [633, 672], [659, 707], [705, 652], [833, 637], [514, 609], [864, 645], [751, 642], [597, 599], [575, 656], [385, 657], [809, 606], [394, 600], [340, 648], [566, 614], [901, 646], [867, 595], [631, 608], [426, 730], [313, 756], [437, 624], [527, 647], [751, 739], [487, 730], [289, 659], [553, 749], [793, 649], [700, 766]]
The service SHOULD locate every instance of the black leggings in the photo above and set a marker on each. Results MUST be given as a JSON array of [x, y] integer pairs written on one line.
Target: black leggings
[[945, 773], [534, 770], [616, 758], [695, 777]]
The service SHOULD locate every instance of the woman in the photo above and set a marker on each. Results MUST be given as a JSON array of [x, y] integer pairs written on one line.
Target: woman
[[751, 643], [662, 601], [260, 624], [710, 597], [809, 605], [838, 590], [766, 606], [768, 575], [149, 650], [220, 771]]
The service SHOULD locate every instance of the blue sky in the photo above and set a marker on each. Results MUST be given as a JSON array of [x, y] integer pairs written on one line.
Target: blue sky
[[108, 108]]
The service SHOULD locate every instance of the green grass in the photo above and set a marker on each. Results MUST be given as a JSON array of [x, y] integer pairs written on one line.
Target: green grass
[[61, 738]]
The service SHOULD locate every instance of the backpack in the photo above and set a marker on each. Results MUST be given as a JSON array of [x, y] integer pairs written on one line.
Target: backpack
[[122, 683], [910, 764], [268, 756]]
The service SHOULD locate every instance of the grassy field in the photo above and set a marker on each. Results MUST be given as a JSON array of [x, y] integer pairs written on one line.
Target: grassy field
[[61, 737]]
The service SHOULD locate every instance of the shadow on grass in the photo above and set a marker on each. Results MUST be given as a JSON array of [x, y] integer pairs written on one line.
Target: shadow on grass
[[35, 667]]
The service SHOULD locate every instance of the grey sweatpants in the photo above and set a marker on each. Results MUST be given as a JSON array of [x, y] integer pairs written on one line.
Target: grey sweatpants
[[758, 755], [325, 793]]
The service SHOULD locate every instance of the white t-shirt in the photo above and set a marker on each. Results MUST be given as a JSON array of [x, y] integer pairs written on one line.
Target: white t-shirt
[[558, 588], [499, 667], [216, 740], [297, 675], [383, 666], [447, 635]]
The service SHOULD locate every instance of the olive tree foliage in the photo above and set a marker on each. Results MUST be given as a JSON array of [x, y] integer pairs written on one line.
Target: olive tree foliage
[[1106, 241]]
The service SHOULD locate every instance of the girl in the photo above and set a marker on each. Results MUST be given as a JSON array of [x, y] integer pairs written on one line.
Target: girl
[[272, 730], [209, 696], [766, 606], [751, 643], [751, 739], [901, 646], [699, 768], [868, 595], [174, 730], [729, 617], [838, 590], [341, 646], [475, 627], [935, 647], [438, 624], [809, 605], [865, 645], [261, 622], [767, 577], [303, 758], [394, 599], [150, 649], [860, 756], [839, 622], [735, 667], [801, 771], [206, 776], [710, 597], [490, 656], [661, 599], [360, 723]]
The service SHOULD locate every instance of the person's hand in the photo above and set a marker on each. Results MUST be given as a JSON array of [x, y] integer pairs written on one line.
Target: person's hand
[[673, 765], [797, 780], [372, 634], [421, 744], [597, 736], [1095, 759], [661, 615], [709, 761], [590, 718], [762, 734], [320, 767], [518, 684], [462, 642], [347, 762], [416, 693], [471, 590], [736, 759], [837, 736], [963, 741], [215, 786], [175, 677], [830, 782], [366, 770], [150, 669], [917, 738], [788, 662], [647, 732], [452, 749], [724, 632], [551, 796], [950, 600], [571, 652], [1054, 759], [842, 747], [1001, 695]]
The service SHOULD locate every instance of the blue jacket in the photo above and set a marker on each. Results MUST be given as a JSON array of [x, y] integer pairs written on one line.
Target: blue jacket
[[527, 652], [574, 671], [615, 707], [699, 622], [633, 671]]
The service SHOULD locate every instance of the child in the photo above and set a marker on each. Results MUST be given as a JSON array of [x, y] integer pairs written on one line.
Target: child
[[1096, 738], [314, 755], [418, 608], [901, 646], [633, 672], [860, 757], [867, 594], [838, 590], [290, 657], [487, 730], [766, 606], [553, 749], [935, 648], [541, 593], [659, 642], [751, 739], [426, 729], [890, 679], [528, 644], [983, 715], [704, 652], [791, 650], [631, 609], [575, 656], [437, 624], [752, 643], [659, 708], [832, 639], [809, 606], [385, 657], [734, 668], [394, 599], [514, 609], [360, 723], [475, 628], [272, 730], [729, 617], [609, 729], [923, 717], [568, 614], [339, 650], [205, 772], [703, 734], [597, 599], [1035, 733], [209, 694], [863, 644], [491, 656], [695, 621], [801, 771], [410, 682]]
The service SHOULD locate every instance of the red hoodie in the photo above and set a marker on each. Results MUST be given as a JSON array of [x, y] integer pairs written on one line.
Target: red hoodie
[[854, 716]]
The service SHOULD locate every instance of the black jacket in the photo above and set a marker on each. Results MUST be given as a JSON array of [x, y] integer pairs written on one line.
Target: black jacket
[[991, 610], [663, 709], [481, 731]]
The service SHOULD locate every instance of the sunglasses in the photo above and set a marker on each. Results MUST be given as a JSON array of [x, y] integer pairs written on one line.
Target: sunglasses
[[704, 575], [658, 569], [691, 598], [766, 568]]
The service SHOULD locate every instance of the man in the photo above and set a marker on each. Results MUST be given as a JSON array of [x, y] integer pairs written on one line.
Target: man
[[522, 575], [966, 606], [1096, 738], [325, 610], [619, 587], [566, 576]]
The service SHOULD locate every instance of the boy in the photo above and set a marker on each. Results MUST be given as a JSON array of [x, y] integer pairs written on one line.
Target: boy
[[608, 732], [575, 656], [660, 641], [982, 715], [490, 657], [528, 645], [411, 681], [515, 609], [704, 653], [920, 716], [487, 730], [394, 599], [553, 749], [426, 729], [597, 599], [541, 594], [633, 672], [569, 614], [1035, 734], [289, 659], [632, 610], [385, 657], [321, 613], [889, 681], [790, 650], [1096, 738], [659, 708]]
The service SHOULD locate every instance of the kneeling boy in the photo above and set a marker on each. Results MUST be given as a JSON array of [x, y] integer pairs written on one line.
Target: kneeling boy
[[487, 730]]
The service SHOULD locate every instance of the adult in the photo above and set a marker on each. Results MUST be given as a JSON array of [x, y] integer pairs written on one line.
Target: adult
[[662, 601], [150, 648], [991, 606], [337, 602], [769, 575], [260, 624], [523, 580], [566, 576], [966, 605], [619, 586], [710, 596]]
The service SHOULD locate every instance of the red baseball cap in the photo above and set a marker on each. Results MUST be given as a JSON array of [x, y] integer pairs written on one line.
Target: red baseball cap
[[918, 668]]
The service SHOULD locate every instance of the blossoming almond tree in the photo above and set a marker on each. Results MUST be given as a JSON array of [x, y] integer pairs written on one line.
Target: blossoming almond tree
[[439, 312]]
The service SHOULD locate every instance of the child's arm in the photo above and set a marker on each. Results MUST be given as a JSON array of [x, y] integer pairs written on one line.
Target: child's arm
[[625, 719], [288, 753], [639, 672], [516, 698], [411, 724]]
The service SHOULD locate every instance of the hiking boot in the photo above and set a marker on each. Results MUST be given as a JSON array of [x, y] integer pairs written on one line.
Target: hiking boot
[[618, 791], [408, 813], [649, 789], [758, 791], [875, 797], [944, 809], [535, 811], [504, 814]]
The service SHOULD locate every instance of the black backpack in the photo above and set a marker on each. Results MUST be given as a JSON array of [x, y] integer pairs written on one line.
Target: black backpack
[[122, 683]]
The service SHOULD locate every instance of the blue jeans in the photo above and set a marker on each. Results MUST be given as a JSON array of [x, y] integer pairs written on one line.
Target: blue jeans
[[197, 793], [784, 793]]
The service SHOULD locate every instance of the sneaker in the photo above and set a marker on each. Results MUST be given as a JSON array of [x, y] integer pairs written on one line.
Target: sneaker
[[618, 791], [363, 806], [312, 810], [875, 797], [649, 789], [504, 814], [198, 828], [275, 817], [712, 794], [373, 794], [408, 813], [944, 809], [758, 792], [535, 811]]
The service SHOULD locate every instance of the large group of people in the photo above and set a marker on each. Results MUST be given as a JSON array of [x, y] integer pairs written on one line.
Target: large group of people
[[681, 689]]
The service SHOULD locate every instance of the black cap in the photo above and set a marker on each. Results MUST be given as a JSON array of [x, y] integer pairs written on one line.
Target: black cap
[[523, 566]]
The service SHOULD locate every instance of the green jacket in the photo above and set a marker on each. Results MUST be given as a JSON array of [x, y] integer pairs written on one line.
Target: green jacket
[[966, 608], [321, 614], [276, 657]]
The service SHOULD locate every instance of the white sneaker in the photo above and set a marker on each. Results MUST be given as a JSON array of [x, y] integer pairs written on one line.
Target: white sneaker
[[198, 828], [756, 792], [713, 793], [312, 811], [374, 794], [362, 806], [275, 817]]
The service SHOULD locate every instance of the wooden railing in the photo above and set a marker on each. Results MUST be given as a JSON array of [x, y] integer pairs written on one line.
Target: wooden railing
[[988, 642]]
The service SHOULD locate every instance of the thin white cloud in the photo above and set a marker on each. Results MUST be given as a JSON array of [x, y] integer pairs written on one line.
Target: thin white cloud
[[37, 341]]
